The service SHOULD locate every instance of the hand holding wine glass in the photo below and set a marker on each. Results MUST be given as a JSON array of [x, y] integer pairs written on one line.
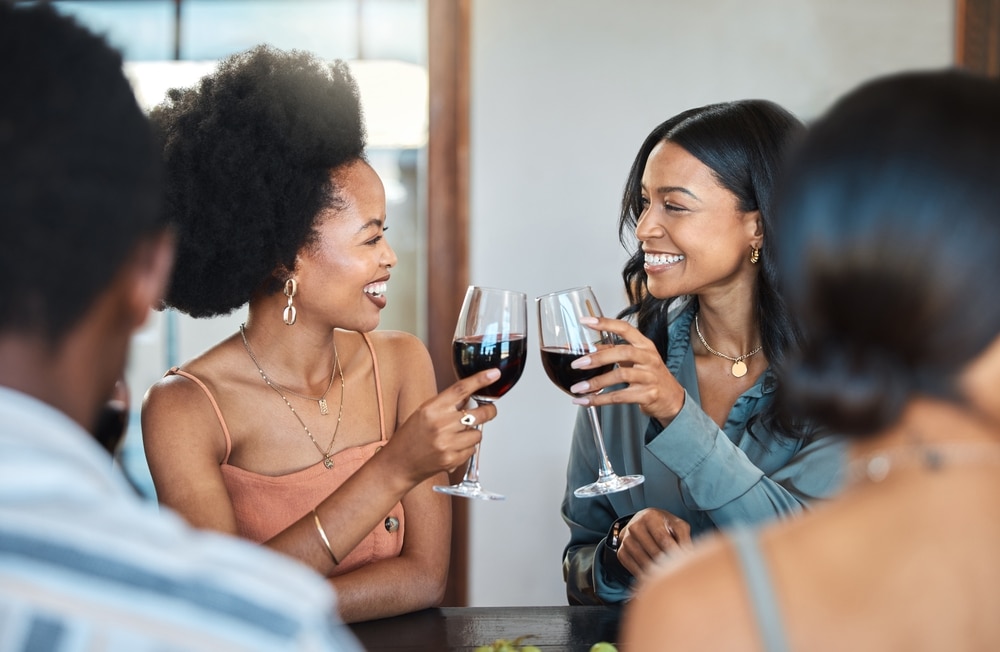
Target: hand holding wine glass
[[491, 333], [563, 339]]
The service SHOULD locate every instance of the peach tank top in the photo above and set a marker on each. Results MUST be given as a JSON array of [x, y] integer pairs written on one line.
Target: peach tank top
[[265, 505]]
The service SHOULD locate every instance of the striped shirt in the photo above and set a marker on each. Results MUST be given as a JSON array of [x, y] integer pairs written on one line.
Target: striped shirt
[[85, 564]]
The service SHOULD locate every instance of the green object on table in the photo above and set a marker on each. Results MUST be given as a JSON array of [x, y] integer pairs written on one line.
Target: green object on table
[[503, 645], [603, 646]]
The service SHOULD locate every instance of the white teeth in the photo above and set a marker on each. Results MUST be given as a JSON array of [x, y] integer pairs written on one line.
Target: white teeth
[[375, 289], [663, 259]]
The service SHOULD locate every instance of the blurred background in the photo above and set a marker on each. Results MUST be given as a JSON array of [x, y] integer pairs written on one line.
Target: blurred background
[[503, 130]]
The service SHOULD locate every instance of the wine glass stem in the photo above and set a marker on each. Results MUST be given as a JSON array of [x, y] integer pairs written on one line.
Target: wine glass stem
[[472, 471], [605, 471]]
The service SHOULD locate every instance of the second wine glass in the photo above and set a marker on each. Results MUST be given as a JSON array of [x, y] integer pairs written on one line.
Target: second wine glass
[[563, 339], [491, 333]]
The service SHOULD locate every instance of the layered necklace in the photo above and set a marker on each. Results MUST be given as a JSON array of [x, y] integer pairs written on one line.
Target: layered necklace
[[739, 364], [323, 408]]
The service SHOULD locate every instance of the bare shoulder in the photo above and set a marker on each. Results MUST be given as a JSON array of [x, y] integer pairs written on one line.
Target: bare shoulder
[[177, 408], [399, 347], [174, 390], [171, 393], [402, 355], [679, 605]]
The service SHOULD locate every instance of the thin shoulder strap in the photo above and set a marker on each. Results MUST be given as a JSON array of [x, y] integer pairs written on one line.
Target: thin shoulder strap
[[761, 592], [378, 386], [215, 406]]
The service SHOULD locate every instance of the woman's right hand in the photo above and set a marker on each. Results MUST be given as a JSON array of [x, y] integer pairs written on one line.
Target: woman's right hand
[[433, 438]]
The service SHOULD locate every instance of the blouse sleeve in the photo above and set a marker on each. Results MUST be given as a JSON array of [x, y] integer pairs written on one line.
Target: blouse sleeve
[[760, 476]]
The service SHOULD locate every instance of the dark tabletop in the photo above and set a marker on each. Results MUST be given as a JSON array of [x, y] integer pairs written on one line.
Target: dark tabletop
[[567, 629]]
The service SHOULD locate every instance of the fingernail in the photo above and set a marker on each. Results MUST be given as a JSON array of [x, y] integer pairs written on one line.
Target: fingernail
[[581, 400], [580, 388], [580, 362], [493, 374], [588, 321]]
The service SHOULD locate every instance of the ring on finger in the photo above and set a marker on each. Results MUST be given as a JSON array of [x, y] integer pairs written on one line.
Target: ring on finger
[[468, 420]]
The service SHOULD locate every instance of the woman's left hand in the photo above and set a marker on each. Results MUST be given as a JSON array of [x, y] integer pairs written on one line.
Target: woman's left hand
[[650, 384]]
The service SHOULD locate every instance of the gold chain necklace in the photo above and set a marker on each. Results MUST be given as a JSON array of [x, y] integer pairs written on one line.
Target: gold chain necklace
[[327, 462], [324, 409], [739, 366]]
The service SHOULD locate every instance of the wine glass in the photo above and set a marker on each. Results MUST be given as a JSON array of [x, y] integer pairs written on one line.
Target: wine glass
[[562, 340], [492, 333]]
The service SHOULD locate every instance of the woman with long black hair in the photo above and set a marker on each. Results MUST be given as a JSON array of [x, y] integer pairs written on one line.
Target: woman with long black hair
[[689, 403]]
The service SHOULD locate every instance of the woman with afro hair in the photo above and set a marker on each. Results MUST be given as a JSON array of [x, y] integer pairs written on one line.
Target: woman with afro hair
[[305, 430]]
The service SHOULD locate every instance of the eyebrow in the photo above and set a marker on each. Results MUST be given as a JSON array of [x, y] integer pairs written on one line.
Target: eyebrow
[[663, 190], [376, 222]]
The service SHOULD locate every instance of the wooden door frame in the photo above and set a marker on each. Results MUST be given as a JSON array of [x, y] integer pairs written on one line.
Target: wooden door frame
[[977, 36], [448, 224]]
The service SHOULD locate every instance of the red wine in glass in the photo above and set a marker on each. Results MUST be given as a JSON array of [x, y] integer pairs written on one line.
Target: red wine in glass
[[557, 360], [490, 334], [563, 339], [471, 355]]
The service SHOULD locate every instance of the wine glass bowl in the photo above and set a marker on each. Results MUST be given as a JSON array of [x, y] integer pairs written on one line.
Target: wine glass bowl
[[470, 355], [491, 333], [563, 339]]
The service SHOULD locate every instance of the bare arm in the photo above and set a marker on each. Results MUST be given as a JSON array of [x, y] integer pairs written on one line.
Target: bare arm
[[185, 446]]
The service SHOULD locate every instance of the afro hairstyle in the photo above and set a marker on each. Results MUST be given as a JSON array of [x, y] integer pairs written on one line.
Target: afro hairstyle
[[249, 153]]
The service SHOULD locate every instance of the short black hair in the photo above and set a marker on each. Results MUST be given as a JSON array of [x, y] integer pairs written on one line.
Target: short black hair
[[744, 144], [249, 153], [79, 175], [890, 243]]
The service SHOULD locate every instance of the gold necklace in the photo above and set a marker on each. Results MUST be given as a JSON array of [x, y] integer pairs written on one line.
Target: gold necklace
[[739, 366], [327, 461], [324, 409]]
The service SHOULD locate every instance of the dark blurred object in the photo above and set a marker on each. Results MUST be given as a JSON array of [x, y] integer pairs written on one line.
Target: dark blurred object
[[450, 629], [112, 421]]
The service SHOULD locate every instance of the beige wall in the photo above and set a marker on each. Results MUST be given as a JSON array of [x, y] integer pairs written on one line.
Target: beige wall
[[564, 91]]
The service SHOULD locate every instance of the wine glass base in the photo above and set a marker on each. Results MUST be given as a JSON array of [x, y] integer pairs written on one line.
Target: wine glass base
[[609, 485], [469, 490]]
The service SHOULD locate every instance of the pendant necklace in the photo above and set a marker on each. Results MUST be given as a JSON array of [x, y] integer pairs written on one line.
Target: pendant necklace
[[877, 466], [337, 370], [739, 365]]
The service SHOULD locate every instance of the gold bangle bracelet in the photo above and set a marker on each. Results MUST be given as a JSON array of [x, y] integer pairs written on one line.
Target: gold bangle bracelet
[[322, 535]]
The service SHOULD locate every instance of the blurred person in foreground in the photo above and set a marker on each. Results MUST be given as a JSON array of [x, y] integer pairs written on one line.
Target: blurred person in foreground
[[690, 403], [890, 243], [84, 253]]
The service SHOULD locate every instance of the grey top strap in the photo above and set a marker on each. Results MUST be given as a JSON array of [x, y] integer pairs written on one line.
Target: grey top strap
[[761, 593]]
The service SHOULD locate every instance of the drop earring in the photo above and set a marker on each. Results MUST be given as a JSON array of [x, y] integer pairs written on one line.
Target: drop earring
[[754, 256], [289, 314]]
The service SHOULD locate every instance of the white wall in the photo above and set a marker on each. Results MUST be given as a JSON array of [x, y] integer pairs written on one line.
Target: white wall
[[563, 93]]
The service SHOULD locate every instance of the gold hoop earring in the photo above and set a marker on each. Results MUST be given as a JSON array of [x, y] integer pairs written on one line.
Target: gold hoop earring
[[754, 255], [289, 314]]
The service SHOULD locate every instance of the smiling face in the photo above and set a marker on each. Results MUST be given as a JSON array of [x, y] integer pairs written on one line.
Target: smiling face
[[342, 275], [694, 236]]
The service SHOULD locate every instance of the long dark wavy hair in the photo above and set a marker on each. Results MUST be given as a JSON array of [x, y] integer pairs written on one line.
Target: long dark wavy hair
[[744, 143], [889, 222]]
